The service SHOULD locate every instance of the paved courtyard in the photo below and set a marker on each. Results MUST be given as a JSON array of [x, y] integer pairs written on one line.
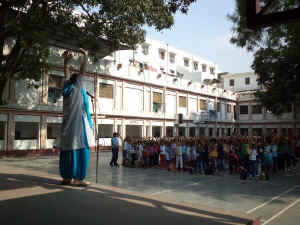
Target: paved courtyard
[[277, 202]]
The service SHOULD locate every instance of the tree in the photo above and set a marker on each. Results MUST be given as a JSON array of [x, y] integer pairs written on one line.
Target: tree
[[29, 27], [276, 56]]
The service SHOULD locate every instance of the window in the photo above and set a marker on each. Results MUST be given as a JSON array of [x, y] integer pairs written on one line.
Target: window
[[169, 131], [105, 90], [26, 130], [202, 131], [2, 130], [145, 49], [55, 86], [231, 82], [256, 109], [203, 105], [161, 54], [204, 67], [196, 66], [212, 70], [247, 80], [257, 131], [192, 132], [182, 101], [186, 62], [244, 131], [53, 130], [105, 130], [228, 108], [243, 109], [210, 132], [157, 102], [172, 57], [287, 108]]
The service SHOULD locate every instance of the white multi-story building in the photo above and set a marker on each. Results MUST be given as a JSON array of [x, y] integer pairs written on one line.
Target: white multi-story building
[[253, 119], [155, 90]]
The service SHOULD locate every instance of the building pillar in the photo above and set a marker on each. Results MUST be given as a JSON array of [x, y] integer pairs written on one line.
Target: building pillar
[[177, 103], [12, 91], [187, 131], [115, 125], [144, 129], [250, 130], [115, 95], [151, 100], [123, 96], [250, 111], [187, 106], [144, 98], [150, 128], [10, 131], [123, 129], [43, 133]]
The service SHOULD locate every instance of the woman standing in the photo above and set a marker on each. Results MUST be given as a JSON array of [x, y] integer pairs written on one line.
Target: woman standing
[[77, 127]]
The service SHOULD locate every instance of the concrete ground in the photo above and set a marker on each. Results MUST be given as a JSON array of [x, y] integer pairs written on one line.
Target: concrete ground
[[276, 201]]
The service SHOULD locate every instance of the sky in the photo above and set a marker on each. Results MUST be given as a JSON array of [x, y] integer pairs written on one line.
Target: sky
[[206, 31]]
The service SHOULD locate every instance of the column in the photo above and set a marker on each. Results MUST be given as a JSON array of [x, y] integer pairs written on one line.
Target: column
[[144, 132], [115, 95], [187, 106], [123, 129], [115, 125], [43, 133], [250, 111], [151, 99], [144, 98], [10, 131], [12, 91], [123, 96], [177, 103]]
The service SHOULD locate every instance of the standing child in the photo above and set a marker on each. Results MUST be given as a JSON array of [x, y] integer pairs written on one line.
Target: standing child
[[179, 163], [252, 160]]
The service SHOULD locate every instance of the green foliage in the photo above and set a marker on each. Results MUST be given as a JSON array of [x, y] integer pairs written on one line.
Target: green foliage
[[33, 24], [276, 56]]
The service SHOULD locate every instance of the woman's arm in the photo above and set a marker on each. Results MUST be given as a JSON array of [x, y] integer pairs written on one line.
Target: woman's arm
[[67, 57], [84, 63]]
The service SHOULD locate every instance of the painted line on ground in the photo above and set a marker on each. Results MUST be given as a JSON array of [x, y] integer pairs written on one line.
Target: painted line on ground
[[186, 185], [281, 212], [272, 199]]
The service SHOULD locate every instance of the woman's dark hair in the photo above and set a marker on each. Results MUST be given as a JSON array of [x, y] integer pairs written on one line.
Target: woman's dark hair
[[74, 78]]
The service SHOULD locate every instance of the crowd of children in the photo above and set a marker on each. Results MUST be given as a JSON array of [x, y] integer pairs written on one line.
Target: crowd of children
[[251, 157]]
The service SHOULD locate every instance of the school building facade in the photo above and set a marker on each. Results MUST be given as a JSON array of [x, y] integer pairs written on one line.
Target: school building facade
[[155, 90]]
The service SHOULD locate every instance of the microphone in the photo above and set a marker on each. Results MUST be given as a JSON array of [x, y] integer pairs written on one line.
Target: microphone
[[88, 93]]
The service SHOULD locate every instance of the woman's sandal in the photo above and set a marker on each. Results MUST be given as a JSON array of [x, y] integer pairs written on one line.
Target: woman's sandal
[[81, 183], [66, 182]]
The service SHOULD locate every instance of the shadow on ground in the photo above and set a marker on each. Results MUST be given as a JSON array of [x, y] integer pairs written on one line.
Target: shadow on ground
[[55, 204]]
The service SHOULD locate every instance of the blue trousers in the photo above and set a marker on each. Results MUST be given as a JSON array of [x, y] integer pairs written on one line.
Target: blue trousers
[[74, 164]]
